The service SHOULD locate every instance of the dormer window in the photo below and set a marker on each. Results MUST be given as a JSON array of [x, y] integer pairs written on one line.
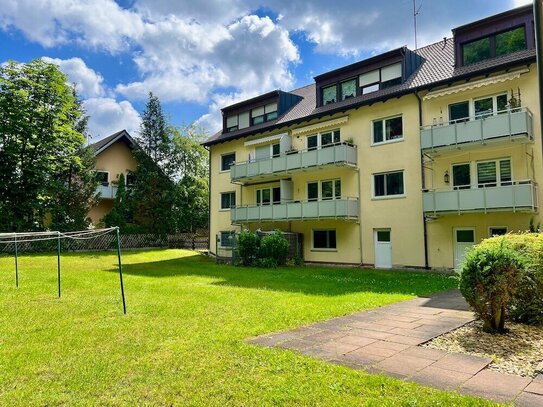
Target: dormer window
[[494, 45], [381, 78], [348, 89], [329, 95], [237, 121], [264, 113]]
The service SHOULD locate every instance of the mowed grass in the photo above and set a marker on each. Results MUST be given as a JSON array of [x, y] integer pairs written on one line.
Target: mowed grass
[[183, 339]]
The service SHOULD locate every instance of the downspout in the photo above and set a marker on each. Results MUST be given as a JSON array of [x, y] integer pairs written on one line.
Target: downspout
[[423, 179], [359, 215], [538, 17], [209, 201]]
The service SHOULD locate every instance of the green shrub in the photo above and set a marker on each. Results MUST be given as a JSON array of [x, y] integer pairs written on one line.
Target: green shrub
[[266, 262], [527, 302], [248, 247], [488, 281], [275, 246]]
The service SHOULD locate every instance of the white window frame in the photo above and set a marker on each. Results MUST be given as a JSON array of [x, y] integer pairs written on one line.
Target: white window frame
[[323, 249], [319, 189], [471, 105], [220, 200], [234, 163], [497, 227], [496, 161], [383, 120], [319, 138], [270, 188], [397, 196]]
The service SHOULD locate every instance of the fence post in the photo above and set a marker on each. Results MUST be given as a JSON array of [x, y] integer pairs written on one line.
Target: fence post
[[16, 263], [58, 262], [120, 268]]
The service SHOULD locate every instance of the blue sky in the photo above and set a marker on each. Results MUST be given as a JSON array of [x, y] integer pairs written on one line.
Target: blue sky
[[199, 56]]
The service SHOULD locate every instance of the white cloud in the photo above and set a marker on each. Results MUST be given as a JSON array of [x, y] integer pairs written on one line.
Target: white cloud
[[518, 3], [108, 116], [89, 83]]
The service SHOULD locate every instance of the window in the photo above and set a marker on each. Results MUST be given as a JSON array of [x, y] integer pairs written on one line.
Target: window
[[264, 113], [461, 176], [388, 184], [228, 200], [329, 94], [231, 123], [324, 239], [459, 112], [103, 178], [493, 173], [348, 89], [510, 41], [227, 160], [227, 239], [494, 45], [383, 236], [490, 105], [130, 179], [387, 129], [497, 231], [267, 196], [323, 139], [382, 78], [325, 190]]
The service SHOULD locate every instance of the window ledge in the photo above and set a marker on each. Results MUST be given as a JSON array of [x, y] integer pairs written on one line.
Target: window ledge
[[223, 171], [382, 198], [324, 250], [397, 140], [224, 210]]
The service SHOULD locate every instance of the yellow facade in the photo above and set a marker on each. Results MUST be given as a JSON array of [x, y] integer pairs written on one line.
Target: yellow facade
[[403, 216], [116, 159]]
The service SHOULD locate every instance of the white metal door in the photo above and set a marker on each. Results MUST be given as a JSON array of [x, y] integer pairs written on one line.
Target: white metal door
[[383, 249], [464, 238]]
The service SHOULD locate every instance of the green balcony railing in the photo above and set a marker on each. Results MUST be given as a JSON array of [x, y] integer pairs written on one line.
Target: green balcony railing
[[510, 123], [341, 208], [339, 153], [516, 196]]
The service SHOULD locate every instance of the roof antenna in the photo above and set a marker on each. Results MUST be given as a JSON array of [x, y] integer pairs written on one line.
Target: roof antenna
[[416, 12]]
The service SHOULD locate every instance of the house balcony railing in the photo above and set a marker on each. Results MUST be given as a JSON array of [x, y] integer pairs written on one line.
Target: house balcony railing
[[341, 208], [509, 124], [515, 196], [333, 154], [107, 191]]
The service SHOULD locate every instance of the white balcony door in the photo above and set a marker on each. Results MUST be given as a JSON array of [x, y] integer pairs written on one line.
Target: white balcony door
[[464, 239], [383, 249]]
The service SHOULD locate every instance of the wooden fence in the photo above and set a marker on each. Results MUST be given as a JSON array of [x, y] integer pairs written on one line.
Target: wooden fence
[[108, 242]]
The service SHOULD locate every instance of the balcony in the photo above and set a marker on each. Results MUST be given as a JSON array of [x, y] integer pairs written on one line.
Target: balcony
[[107, 191], [343, 208], [508, 125], [515, 196], [286, 163]]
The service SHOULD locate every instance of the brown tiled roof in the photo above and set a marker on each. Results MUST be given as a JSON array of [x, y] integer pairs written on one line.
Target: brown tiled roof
[[437, 69]]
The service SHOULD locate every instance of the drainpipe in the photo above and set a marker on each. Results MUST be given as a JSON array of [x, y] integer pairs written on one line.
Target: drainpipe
[[423, 178], [538, 26], [359, 215], [209, 201]]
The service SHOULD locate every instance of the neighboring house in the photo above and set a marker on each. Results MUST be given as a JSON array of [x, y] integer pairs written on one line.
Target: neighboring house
[[114, 156], [401, 160]]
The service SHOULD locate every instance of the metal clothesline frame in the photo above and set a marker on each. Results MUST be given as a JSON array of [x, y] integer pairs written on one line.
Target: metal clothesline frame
[[25, 237]]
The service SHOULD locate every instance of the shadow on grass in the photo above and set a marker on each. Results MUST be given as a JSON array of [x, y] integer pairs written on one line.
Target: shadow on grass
[[323, 281]]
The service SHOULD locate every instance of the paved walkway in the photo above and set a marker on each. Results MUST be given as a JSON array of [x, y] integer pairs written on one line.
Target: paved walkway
[[386, 341]]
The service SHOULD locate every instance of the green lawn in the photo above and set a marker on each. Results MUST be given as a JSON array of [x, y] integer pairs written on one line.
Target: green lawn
[[183, 340]]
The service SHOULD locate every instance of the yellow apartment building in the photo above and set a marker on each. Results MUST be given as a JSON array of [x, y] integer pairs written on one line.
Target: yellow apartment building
[[114, 156], [404, 159]]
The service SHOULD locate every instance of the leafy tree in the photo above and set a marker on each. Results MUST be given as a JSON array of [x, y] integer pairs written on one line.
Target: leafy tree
[[152, 199], [42, 155]]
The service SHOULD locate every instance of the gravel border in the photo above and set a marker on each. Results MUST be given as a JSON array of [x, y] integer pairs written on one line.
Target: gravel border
[[519, 351]]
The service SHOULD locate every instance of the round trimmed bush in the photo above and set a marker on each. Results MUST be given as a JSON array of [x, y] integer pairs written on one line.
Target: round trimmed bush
[[488, 281], [248, 247]]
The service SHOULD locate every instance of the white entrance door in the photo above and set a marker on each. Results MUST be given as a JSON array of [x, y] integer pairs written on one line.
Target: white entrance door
[[383, 249], [464, 238]]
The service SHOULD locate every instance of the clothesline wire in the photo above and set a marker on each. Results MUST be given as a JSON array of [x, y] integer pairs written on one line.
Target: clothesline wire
[[45, 236]]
